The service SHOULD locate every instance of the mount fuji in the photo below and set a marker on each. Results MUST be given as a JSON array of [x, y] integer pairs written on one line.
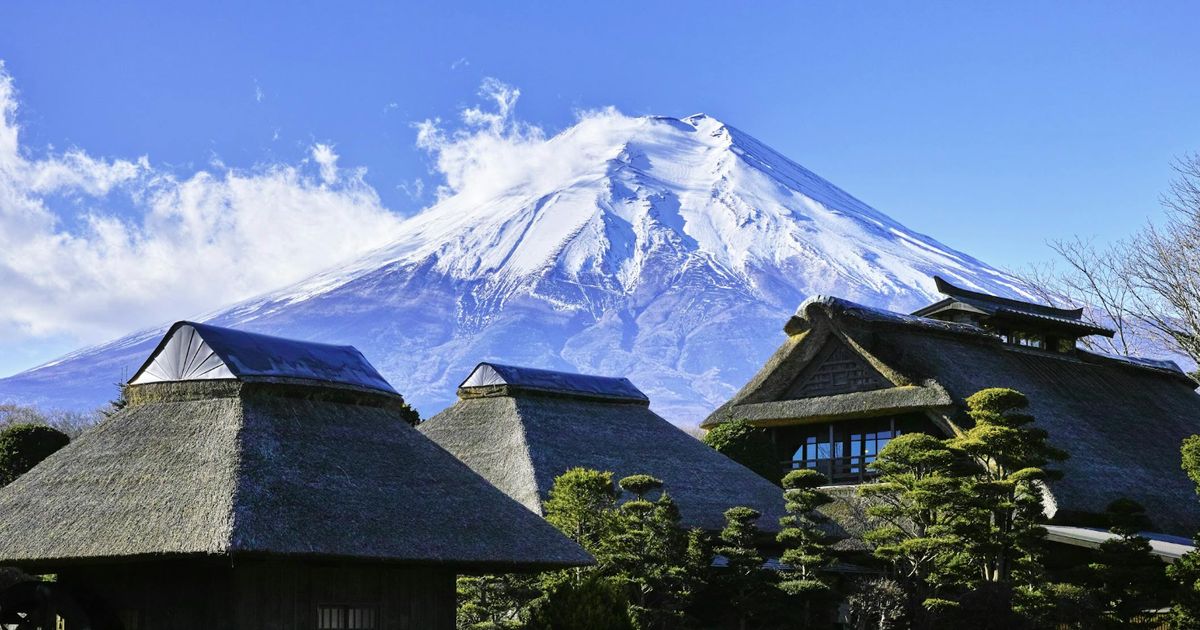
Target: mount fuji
[[667, 250]]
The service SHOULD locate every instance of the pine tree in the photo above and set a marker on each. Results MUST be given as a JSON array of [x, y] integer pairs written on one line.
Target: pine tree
[[582, 505], [495, 602], [919, 501], [1127, 577], [806, 552], [747, 586], [1185, 572], [1009, 457], [652, 556], [117, 404]]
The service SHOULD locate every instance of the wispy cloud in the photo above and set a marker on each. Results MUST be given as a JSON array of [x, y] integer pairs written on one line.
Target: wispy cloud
[[489, 147], [186, 242], [258, 92], [461, 62]]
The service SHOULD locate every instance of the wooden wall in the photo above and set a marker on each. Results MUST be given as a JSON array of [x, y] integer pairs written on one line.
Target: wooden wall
[[266, 594]]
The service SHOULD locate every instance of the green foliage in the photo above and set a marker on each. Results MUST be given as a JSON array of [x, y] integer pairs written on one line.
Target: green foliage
[[640, 485], [495, 602], [1190, 451], [582, 504], [806, 551], [1060, 605], [747, 588], [653, 556], [639, 544], [919, 501], [1185, 572], [23, 446], [1009, 456], [409, 415], [594, 603], [959, 518], [1127, 578], [1185, 605], [117, 404], [747, 445]]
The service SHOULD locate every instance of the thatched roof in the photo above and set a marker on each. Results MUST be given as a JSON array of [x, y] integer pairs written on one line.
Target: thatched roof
[[1122, 421], [266, 467], [521, 439]]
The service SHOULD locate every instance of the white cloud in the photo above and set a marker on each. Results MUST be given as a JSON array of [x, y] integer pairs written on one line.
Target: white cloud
[[462, 62], [326, 159], [188, 243], [185, 244], [491, 149]]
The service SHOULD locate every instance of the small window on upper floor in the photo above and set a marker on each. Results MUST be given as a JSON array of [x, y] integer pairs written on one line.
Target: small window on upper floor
[[344, 617], [1028, 340]]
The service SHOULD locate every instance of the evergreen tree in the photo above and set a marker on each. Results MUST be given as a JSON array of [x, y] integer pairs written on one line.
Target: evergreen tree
[[747, 445], [806, 552], [1128, 579], [495, 602], [582, 505], [1009, 457], [593, 603], [748, 587], [117, 404], [639, 545], [919, 501], [651, 556], [1185, 572]]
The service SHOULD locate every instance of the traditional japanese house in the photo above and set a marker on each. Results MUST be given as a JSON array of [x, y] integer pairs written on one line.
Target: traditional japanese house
[[849, 378], [521, 427], [257, 482]]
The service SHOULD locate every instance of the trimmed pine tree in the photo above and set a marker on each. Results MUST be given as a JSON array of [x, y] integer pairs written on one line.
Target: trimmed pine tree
[[806, 551]]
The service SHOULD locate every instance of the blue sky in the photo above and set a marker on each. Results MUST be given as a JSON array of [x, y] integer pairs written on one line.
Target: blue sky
[[991, 126]]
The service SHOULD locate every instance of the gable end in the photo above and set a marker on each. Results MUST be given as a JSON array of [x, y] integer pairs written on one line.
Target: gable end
[[835, 370]]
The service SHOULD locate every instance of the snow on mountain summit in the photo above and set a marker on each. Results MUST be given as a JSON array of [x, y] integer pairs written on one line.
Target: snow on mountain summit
[[668, 250]]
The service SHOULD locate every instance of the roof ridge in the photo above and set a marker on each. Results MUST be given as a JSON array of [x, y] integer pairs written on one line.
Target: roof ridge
[[946, 288]]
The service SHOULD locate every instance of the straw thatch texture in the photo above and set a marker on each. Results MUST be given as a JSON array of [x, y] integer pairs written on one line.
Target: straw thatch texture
[[1121, 422], [521, 442], [266, 469]]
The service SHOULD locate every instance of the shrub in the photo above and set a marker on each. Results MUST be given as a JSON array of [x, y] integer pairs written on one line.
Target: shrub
[[23, 446], [595, 603], [747, 445]]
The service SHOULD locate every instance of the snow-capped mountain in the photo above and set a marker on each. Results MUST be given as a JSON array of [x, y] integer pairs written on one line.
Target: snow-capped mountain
[[669, 251]]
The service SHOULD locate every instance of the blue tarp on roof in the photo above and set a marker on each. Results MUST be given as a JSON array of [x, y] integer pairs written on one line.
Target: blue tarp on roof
[[192, 351], [491, 374]]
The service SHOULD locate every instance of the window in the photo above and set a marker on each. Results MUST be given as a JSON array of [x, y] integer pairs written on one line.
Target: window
[[337, 617], [1029, 340], [841, 450]]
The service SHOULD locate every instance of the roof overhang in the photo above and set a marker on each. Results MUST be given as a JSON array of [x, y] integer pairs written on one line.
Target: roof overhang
[[1166, 547], [870, 403]]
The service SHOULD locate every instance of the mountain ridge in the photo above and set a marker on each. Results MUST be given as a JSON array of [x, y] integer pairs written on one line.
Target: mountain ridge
[[667, 250]]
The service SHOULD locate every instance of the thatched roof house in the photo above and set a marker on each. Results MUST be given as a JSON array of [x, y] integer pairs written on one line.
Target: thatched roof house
[[849, 377], [249, 462], [522, 427]]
